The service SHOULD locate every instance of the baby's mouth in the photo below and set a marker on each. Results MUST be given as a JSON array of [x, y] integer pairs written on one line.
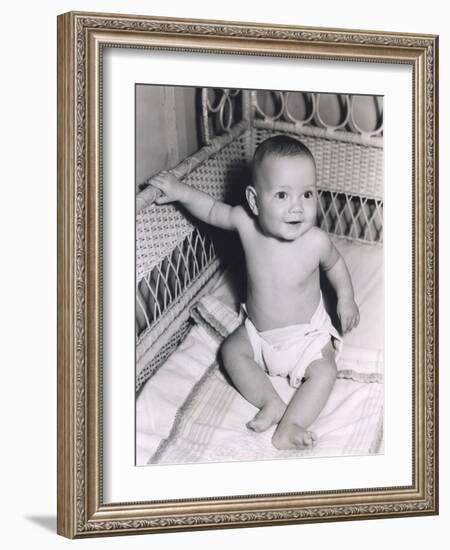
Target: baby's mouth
[[294, 222]]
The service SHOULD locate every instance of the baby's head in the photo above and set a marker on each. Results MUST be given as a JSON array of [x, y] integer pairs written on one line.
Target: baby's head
[[283, 196]]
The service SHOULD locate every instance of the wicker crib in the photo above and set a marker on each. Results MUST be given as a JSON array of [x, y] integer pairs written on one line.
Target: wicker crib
[[177, 257]]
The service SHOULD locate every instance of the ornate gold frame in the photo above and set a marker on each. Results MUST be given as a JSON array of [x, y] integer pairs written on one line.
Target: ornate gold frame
[[81, 37]]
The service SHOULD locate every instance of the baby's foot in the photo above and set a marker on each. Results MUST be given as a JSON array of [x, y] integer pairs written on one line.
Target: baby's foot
[[293, 437], [269, 415]]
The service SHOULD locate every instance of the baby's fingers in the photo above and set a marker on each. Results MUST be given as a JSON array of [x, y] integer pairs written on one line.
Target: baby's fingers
[[158, 182], [354, 322], [163, 199], [345, 322]]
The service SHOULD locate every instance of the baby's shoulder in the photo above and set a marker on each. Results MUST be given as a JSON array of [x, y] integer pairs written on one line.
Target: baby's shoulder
[[242, 219], [319, 241], [319, 237]]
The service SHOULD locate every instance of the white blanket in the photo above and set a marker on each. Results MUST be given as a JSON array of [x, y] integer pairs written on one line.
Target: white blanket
[[188, 412]]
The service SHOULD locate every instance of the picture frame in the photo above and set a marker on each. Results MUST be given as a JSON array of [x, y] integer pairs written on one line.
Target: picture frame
[[82, 510]]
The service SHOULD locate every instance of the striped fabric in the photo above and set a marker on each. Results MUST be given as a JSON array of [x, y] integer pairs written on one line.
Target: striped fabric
[[210, 424]]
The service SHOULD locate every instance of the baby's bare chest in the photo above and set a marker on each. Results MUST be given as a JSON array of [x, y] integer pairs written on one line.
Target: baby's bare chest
[[285, 264]]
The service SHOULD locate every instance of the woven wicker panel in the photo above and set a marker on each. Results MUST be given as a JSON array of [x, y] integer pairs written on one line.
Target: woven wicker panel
[[351, 216], [160, 228], [341, 166], [149, 370], [156, 343], [170, 278], [175, 259]]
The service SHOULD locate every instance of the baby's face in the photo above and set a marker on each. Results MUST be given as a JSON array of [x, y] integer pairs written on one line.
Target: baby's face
[[286, 196]]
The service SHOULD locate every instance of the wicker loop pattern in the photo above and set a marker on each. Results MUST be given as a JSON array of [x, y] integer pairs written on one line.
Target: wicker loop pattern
[[307, 119], [281, 109], [219, 118], [319, 120], [354, 127], [347, 125]]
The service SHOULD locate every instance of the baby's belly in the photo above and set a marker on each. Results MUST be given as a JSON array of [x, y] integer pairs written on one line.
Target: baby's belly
[[269, 310]]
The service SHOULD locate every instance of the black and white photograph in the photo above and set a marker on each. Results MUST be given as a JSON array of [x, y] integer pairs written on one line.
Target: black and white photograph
[[223, 240], [259, 267], [247, 275]]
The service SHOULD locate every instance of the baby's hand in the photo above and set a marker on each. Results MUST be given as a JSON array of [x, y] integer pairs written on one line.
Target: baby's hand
[[171, 188], [348, 314]]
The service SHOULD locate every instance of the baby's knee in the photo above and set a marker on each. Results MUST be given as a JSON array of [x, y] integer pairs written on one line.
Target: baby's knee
[[226, 349], [235, 346], [230, 346], [325, 369]]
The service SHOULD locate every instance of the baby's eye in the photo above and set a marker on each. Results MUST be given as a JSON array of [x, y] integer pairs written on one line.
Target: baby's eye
[[308, 195], [281, 195]]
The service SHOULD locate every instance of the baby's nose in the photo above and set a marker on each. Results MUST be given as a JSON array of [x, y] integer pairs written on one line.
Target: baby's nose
[[297, 206]]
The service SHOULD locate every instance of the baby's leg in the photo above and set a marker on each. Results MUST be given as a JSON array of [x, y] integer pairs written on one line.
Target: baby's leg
[[307, 403], [251, 381]]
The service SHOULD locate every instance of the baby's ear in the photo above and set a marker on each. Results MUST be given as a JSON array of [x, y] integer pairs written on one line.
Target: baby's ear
[[250, 193]]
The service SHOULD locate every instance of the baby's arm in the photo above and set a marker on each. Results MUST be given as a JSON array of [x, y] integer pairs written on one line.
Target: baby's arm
[[199, 204], [337, 272]]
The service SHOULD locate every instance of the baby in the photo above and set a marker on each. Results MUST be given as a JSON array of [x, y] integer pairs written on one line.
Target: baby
[[286, 330]]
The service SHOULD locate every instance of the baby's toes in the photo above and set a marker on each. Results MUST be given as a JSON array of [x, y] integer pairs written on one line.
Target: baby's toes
[[309, 439]]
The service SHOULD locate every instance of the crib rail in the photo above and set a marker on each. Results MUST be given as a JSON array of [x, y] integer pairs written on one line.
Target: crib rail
[[175, 255], [160, 228], [148, 195]]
